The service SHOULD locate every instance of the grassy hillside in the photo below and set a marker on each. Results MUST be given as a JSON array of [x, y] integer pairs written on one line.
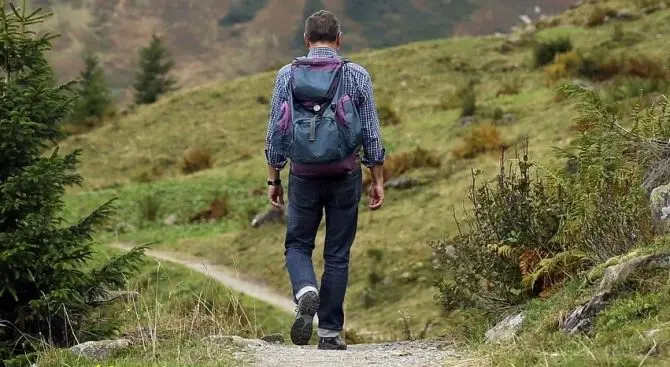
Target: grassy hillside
[[224, 39], [137, 158]]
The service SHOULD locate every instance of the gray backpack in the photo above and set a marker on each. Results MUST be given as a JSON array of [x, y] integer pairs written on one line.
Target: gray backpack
[[319, 127]]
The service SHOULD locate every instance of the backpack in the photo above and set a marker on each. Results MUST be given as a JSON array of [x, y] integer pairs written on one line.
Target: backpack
[[319, 127]]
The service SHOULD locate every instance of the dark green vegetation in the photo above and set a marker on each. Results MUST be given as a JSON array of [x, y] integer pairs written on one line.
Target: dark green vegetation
[[95, 100], [242, 11], [47, 295], [153, 79]]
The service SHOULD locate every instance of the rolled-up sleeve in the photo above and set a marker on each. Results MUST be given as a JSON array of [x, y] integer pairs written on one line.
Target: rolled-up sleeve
[[373, 149], [279, 95]]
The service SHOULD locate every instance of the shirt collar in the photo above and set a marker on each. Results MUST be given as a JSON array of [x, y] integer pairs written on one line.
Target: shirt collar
[[322, 52]]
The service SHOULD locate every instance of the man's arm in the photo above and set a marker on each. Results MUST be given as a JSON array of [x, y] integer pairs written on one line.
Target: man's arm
[[275, 159], [374, 152]]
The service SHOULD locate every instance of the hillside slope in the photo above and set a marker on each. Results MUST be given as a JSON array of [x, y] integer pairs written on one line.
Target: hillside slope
[[137, 159], [221, 39]]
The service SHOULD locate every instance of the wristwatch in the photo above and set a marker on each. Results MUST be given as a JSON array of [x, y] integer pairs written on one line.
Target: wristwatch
[[276, 182]]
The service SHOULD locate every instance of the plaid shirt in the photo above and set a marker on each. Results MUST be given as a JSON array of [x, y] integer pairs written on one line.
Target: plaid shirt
[[358, 85]]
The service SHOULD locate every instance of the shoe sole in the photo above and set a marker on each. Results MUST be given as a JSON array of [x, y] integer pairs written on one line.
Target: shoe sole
[[328, 347], [301, 331]]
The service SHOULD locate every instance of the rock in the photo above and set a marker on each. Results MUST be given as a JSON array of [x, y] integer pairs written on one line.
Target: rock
[[100, 349], [507, 119], [660, 208], [651, 333], [581, 318], [617, 273], [467, 120], [274, 339], [505, 330], [234, 340], [273, 215], [625, 14], [651, 9], [170, 220], [402, 183]]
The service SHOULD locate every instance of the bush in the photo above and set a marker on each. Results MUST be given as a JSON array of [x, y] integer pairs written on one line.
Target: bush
[[149, 207], [525, 234], [468, 101], [388, 116], [545, 52], [510, 86], [564, 66], [49, 289], [479, 140], [597, 17], [600, 67], [403, 162], [196, 160]]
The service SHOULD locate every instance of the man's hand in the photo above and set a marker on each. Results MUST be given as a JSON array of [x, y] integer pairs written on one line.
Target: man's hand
[[376, 196], [376, 193], [276, 196]]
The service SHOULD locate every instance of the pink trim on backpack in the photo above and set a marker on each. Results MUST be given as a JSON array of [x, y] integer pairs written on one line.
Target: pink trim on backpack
[[318, 170]]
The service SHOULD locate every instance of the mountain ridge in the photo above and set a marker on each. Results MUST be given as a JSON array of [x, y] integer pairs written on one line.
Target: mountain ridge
[[213, 40]]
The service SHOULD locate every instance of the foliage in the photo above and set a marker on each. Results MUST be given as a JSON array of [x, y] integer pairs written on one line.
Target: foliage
[[597, 17], [601, 67], [563, 66], [46, 295], [242, 11], [388, 116], [545, 52], [93, 92], [152, 79], [468, 98], [480, 139], [149, 207], [525, 234]]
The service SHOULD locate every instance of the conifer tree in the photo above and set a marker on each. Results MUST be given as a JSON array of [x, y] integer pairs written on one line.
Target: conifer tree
[[94, 94], [48, 287], [153, 79]]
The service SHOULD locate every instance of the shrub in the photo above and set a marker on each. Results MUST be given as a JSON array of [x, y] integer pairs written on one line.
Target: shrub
[[195, 160], [480, 139], [153, 78], [565, 65], [525, 235], [49, 289], [600, 67], [149, 207], [510, 86], [597, 17], [468, 101], [545, 52], [403, 162], [388, 116]]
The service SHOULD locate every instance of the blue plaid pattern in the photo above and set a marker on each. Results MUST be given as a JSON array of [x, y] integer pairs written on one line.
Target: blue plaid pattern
[[358, 85]]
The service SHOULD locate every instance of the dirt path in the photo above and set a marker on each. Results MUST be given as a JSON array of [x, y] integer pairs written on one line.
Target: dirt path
[[226, 276], [409, 354]]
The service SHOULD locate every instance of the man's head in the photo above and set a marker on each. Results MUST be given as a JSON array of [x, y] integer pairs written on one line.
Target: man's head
[[323, 29]]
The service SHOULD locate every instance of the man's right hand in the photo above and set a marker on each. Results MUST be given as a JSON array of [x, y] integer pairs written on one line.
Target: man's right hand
[[276, 196]]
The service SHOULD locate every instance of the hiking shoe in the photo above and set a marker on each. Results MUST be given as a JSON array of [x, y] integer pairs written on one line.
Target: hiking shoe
[[335, 343], [301, 331]]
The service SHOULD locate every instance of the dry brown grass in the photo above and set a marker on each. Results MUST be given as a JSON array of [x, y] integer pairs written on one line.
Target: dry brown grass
[[403, 162], [196, 160], [481, 139]]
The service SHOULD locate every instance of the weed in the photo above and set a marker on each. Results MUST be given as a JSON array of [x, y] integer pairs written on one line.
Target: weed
[[565, 65], [597, 17], [149, 207], [510, 86], [468, 101]]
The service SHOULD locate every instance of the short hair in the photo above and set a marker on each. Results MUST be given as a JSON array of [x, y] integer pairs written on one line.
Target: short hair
[[322, 26]]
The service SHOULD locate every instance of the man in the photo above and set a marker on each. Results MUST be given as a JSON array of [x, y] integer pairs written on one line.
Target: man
[[337, 194]]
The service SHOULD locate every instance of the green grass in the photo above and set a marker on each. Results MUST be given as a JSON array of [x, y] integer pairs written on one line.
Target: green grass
[[227, 120], [181, 307]]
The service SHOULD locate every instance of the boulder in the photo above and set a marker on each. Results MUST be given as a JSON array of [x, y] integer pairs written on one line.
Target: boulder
[[234, 340], [506, 330], [401, 183], [273, 215], [467, 120], [660, 208], [101, 349], [507, 119], [581, 318], [171, 220]]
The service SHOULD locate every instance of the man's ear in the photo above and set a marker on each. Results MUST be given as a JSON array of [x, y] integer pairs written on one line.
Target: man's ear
[[338, 40], [306, 40]]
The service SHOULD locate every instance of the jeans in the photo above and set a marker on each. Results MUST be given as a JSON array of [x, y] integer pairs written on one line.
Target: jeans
[[307, 199]]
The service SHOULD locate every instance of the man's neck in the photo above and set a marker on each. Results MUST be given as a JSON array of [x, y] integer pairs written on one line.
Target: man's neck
[[323, 45]]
